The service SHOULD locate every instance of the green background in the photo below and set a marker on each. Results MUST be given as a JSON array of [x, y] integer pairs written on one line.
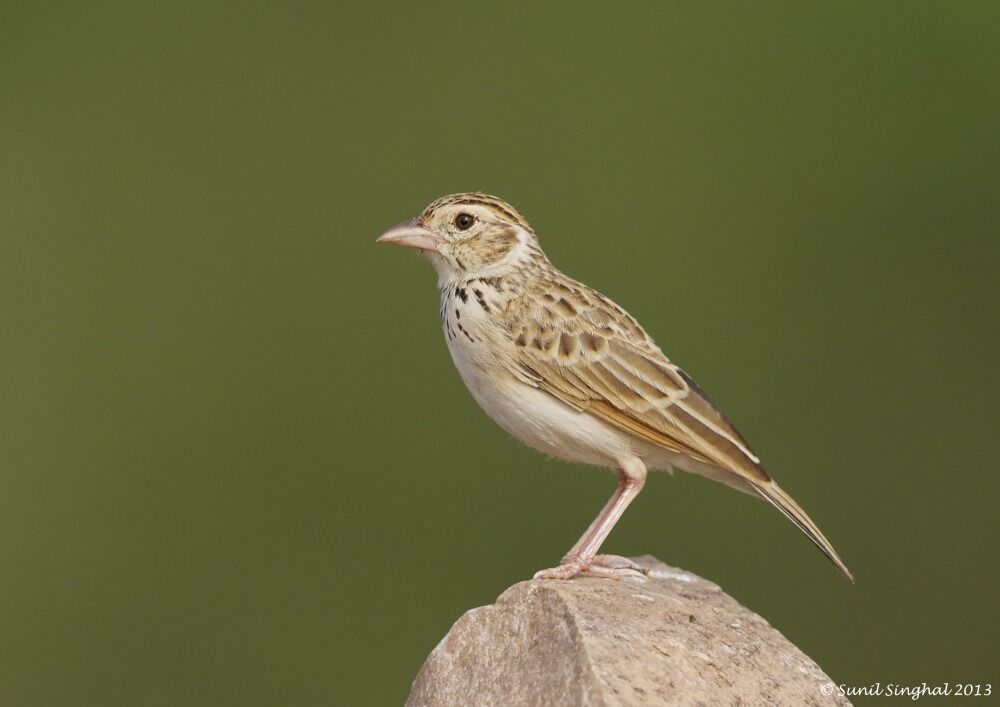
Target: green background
[[236, 464]]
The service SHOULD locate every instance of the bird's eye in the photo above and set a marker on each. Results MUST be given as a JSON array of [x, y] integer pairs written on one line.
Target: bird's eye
[[464, 222]]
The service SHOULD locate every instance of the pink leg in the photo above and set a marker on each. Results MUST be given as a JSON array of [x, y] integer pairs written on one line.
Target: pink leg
[[581, 556]]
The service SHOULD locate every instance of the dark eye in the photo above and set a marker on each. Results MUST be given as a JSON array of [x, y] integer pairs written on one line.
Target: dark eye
[[464, 221]]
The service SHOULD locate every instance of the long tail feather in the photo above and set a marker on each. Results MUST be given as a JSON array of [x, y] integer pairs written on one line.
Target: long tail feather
[[772, 493]]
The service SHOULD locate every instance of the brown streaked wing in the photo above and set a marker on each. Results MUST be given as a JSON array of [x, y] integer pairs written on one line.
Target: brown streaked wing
[[636, 389]]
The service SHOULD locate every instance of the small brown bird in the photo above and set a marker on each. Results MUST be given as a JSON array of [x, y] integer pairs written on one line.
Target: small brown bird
[[567, 371]]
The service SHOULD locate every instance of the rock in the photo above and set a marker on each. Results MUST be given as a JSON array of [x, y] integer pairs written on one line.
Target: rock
[[670, 638]]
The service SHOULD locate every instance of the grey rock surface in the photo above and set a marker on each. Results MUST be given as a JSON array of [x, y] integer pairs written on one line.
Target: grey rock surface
[[670, 638]]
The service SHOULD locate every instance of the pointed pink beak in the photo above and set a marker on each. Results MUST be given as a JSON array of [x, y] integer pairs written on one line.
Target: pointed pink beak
[[412, 234]]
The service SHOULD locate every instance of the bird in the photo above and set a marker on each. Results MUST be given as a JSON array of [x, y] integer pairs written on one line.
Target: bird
[[570, 373]]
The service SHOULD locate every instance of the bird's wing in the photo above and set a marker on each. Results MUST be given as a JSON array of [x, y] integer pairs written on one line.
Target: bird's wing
[[589, 353]]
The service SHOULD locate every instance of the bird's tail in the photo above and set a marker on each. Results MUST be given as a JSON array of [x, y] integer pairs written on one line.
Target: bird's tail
[[773, 493]]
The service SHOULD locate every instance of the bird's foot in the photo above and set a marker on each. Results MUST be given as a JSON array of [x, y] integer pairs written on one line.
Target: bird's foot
[[621, 564], [610, 566], [566, 570]]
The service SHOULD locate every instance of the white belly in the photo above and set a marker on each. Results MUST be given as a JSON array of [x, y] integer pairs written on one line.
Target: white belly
[[535, 417]]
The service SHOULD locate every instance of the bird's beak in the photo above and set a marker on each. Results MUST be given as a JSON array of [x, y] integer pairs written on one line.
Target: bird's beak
[[412, 234]]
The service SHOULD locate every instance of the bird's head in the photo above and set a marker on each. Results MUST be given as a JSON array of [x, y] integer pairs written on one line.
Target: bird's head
[[467, 235]]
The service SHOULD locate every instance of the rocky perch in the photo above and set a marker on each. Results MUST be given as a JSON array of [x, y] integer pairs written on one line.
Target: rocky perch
[[671, 638]]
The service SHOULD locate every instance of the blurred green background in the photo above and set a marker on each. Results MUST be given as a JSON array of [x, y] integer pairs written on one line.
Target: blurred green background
[[236, 464]]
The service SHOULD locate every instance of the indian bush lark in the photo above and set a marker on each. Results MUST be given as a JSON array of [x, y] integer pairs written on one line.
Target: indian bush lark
[[567, 371]]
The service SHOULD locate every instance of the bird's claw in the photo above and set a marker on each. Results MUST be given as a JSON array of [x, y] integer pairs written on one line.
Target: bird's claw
[[610, 566]]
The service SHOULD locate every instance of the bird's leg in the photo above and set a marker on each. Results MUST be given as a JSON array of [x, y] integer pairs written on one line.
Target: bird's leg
[[583, 556], [591, 541]]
